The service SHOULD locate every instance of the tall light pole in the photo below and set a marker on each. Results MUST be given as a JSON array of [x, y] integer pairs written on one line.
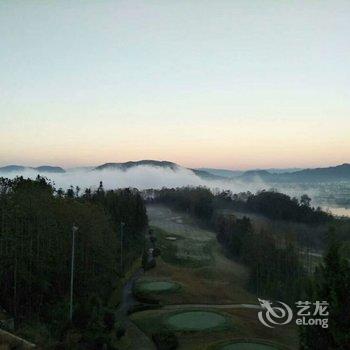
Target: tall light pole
[[122, 224], [74, 229]]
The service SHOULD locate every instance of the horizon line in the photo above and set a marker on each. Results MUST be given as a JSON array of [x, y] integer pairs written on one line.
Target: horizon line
[[65, 167]]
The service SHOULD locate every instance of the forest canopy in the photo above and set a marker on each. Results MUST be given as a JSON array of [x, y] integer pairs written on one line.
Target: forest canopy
[[36, 241]]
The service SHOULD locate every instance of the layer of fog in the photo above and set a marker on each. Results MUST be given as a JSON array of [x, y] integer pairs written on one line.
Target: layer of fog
[[146, 177], [141, 177]]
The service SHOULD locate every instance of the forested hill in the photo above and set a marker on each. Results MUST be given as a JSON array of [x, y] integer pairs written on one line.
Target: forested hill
[[36, 224], [318, 175], [40, 169], [158, 164], [271, 204], [330, 174], [19, 169], [131, 164]]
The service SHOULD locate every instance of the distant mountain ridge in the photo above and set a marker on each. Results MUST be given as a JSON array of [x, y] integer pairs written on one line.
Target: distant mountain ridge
[[327, 174], [40, 169], [157, 164], [230, 174], [131, 164], [226, 173], [112, 166]]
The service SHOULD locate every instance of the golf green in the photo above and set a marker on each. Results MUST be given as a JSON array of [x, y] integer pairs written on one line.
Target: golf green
[[247, 346], [195, 321], [157, 286]]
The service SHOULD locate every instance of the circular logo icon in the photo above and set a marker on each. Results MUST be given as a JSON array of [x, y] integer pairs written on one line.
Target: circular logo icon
[[274, 313]]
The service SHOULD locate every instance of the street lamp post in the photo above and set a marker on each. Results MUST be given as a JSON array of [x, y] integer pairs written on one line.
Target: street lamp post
[[122, 224], [74, 229]]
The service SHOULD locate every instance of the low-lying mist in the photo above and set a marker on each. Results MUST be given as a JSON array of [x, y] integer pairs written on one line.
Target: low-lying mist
[[140, 177], [146, 177]]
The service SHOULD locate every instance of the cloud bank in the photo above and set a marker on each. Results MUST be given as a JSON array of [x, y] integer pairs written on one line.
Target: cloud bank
[[141, 177], [147, 177]]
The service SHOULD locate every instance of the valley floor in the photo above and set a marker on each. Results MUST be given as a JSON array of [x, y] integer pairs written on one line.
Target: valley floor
[[203, 279]]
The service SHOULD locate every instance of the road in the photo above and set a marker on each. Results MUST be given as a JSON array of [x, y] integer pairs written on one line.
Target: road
[[138, 339], [212, 306]]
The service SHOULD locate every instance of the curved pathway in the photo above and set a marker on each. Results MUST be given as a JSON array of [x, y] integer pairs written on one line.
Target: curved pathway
[[139, 340], [211, 306]]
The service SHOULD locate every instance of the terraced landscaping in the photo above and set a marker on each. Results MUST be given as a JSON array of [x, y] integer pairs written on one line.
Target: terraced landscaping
[[157, 286], [147, 287], [200, 294], [183, 251], [247, 346], [196, 321], [195, 260], [244, 344], [213, 333]]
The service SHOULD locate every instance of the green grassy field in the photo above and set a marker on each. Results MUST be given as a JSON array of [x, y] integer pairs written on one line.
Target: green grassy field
[[152, 289], [192, 259], [240, 324], [197, 321], [246, 345], [157, 287], [196, 261], [183, 251]]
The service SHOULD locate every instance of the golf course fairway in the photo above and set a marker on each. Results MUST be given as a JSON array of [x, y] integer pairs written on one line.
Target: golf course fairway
[[247, 346], [157, 286], [196, 321]]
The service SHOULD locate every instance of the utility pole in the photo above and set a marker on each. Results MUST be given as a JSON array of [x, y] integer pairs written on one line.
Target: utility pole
[[74, 229], [122, 224]]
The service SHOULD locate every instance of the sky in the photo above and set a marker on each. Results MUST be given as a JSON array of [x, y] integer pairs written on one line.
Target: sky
[[227, 83]]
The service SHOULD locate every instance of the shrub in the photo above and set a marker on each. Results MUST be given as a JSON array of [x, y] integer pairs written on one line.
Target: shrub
[[165, 340], [156, 252], [144, 260], [120, 331], [151, 264], [109, 319]]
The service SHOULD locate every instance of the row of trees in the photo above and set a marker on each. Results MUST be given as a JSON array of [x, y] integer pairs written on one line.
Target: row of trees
[[275, 205], [36, 237], [279, 269], [274, 264], [196, 201], [201, 202], [274, 261], [274, 212], [331, 283]]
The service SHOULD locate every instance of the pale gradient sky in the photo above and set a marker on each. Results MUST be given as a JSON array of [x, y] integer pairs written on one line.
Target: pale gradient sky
[[236, 83]]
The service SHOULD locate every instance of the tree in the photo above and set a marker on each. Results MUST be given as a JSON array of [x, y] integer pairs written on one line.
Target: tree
[[331, 284], [35, 245], [305, 200]]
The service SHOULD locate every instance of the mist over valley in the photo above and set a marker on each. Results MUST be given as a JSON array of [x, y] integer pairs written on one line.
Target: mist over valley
[[328, 187]]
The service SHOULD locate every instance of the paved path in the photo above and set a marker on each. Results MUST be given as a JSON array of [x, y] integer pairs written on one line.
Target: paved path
[[139, 340], [211, 306], [12, 341], [128, 299]]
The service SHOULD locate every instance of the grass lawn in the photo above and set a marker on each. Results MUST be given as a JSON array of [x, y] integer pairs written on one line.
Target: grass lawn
[[238, 325], [197, 320], [195, 260], [192, 258], [242, 344]]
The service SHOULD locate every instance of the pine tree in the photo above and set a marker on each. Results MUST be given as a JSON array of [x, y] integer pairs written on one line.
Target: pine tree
[[331, 284]]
